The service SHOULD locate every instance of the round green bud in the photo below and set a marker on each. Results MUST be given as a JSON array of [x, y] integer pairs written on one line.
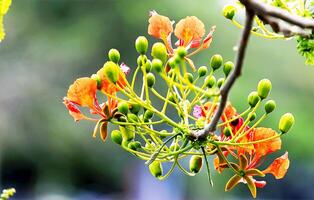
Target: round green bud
[[159, 51], [148, 114], [228, 66], [135, 108], [128, 132], [210, 81], [155, 169], [116, 137], [174, 147], [189, 77], [148, 66], [111, 71], [220, 82], [270, 106], [253, 116], [134, 145], [141, 45], [181, 51], [114, 55], [227, 131], [172, 62], [229, 11], [123, 107], [96, 77], [157, 65], [263, 88], [133, 118], [150, 79], [216, 61], [141, 60], [253, 99], [286, 122], [202, 71], [196, 163]]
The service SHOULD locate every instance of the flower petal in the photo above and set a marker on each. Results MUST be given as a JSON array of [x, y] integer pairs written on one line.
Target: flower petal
[[279, 167]]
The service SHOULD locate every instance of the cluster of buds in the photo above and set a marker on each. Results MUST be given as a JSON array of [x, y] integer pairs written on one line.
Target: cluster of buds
[[188, 97], [7, 193]]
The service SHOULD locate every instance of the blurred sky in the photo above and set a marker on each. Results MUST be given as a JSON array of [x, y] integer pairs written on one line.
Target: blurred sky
[[50, 43]]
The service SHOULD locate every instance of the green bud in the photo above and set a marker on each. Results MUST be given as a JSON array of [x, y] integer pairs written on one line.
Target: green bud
[[253, 116], [196, 163], [159, 51], [148, 66], [125, 143], [155, 169], [202, 71], [134, 145], [116, 137], [123, 107], [216, 61], [128, 132], [270, 106], [135, 108], [141, 45], [141, 60], [227, 131], [172, 62], [286, 122], [263, 88], [122, 119], [148, 114], [133, 118], [189, 77], [114, 55], [253, 99], [173, 98], [157, 65], [228, 66], [210, 81], [181, 51], [220, 82], [111, 71], [150, 79], [229, 11], [4, 196], [174, 147], [96, 77]]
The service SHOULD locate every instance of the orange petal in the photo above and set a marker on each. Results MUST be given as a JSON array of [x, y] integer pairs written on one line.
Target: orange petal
[[279, 167], [229, 112], [264, 148], [73, 110], [83, 92], [159, 26], [107, 86]]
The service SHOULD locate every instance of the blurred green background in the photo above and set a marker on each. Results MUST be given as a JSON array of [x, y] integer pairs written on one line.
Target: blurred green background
[[50, 43]]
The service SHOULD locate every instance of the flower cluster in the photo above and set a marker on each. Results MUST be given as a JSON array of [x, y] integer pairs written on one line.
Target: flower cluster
[[4, 7], [157, 125], [7, 193]]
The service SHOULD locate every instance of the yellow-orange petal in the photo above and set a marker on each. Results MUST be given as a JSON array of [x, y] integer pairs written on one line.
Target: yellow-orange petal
[[264, 148], [107, 86], [229, 112], [159, 26], [279, 167], [83, 92], [189, 29]]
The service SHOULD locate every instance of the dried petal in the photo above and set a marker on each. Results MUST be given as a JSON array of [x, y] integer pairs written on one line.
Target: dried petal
[[104, 131], [254, 172], [233, 181], [251, 185]]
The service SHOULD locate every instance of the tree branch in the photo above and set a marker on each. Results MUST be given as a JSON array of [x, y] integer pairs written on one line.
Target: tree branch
[[224, 92]]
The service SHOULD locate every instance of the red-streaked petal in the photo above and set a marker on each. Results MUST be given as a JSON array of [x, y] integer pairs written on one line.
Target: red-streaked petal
[[279, 167]]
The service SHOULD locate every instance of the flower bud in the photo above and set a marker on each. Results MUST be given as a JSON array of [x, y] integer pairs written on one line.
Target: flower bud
[[157, 65], [202, 71], [141, 60], [148, 66], [253, 116], [229, 11], [134, 145], [116, 137], [227, 131], [128, 132], [181, 51], [196, 163], [216, 61], [141, 45], [286, 122], [150, 79], [220, 82], [189, 77], [253, 99], [210, 81], [173, 98], [228, 66], [270, 106], [123, 107], [148, 114], [133, 118], [172, 62], [263, 88], [111, 71], [155, 169], [159, 51], [96, 77], [114, 55], [135, 108]]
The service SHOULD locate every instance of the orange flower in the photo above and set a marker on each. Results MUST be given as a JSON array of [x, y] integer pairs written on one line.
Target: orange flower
[[159, 26], [83, 92], [189, 29], [279, 167]]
